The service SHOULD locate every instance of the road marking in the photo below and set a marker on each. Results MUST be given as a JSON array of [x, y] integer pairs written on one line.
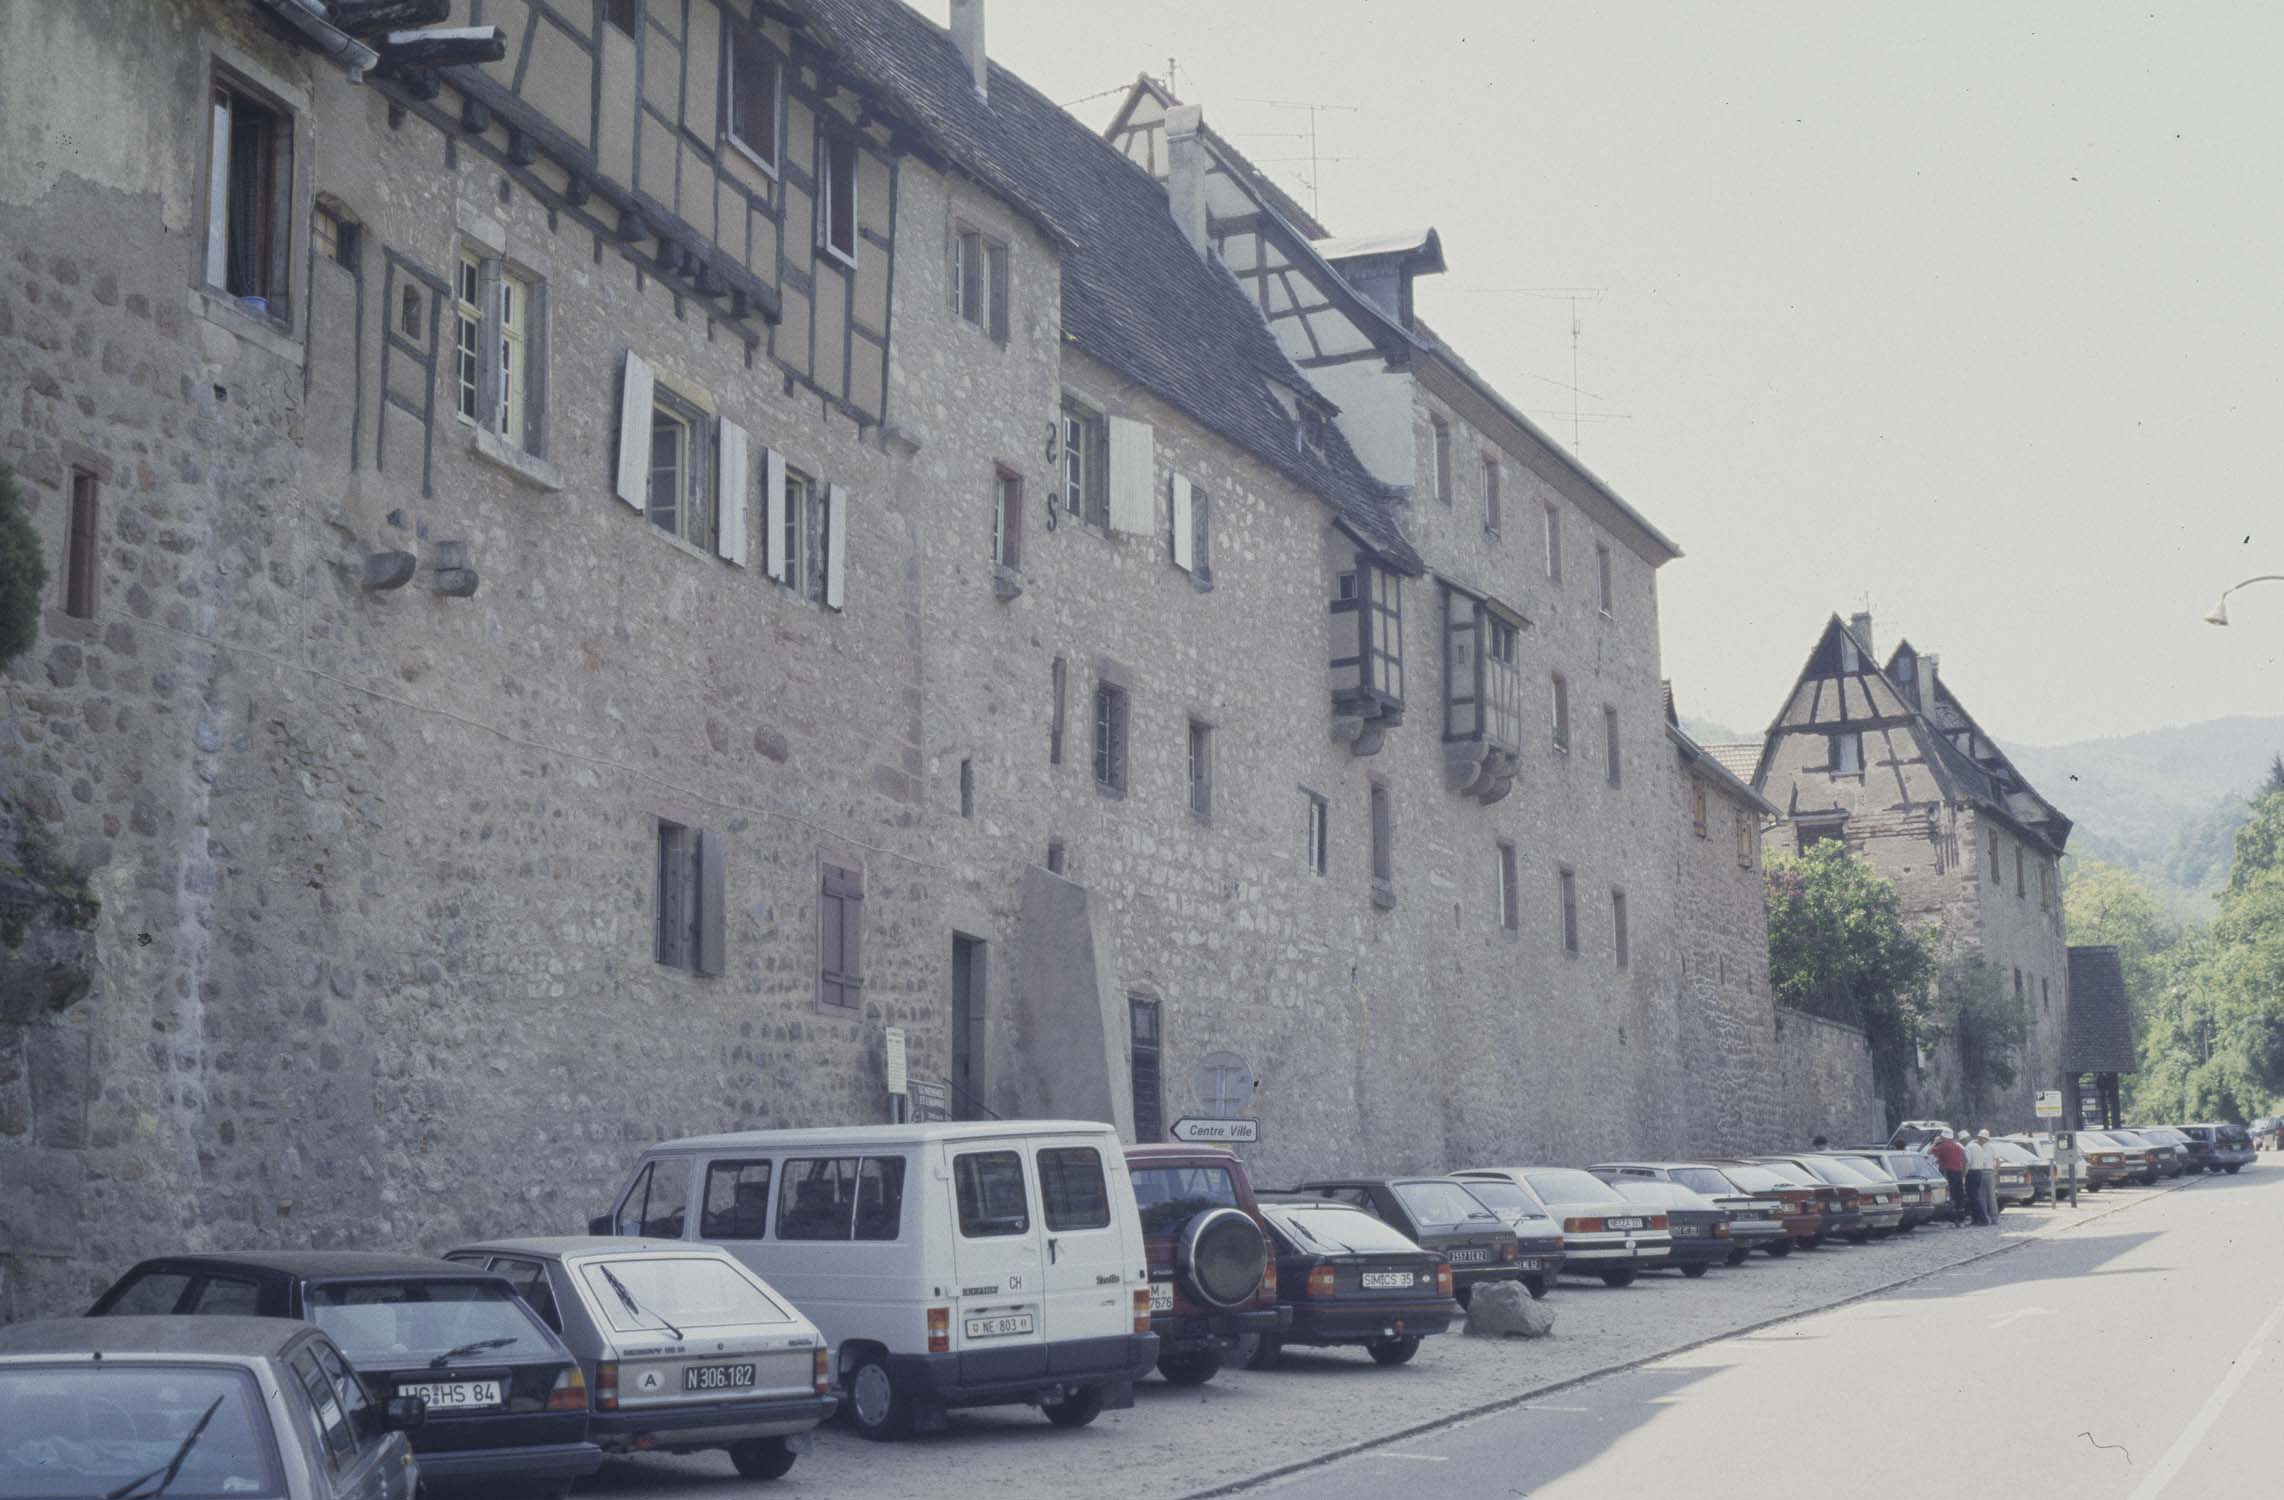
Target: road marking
[[1554, 1408], [2186, 1444], [2001, 1320], [1424, 1458]]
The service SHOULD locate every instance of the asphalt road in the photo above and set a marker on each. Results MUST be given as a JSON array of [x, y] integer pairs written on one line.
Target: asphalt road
[[2136, 1356]]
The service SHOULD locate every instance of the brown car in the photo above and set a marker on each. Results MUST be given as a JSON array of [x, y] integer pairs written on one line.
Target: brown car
[[1212, 1278]]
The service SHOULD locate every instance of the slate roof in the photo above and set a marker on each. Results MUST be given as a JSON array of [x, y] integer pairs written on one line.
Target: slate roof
[[1740, 761], [1136, 296], [2099, 1037]]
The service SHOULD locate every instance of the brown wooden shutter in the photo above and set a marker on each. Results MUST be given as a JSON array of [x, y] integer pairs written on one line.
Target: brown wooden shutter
[[997, 256], [840, 938], [709, 914]]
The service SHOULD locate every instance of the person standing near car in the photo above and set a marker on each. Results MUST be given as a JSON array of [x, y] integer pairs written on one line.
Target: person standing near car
[[1980, 1160], [1990, 1175], [1952, 1159]]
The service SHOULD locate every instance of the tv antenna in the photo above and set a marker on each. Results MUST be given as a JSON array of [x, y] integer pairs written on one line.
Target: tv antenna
[[1316, 160], [1573, 295]]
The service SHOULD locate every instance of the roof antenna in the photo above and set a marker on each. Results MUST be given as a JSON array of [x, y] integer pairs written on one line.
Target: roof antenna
[[1173, 78], [1315, 160]]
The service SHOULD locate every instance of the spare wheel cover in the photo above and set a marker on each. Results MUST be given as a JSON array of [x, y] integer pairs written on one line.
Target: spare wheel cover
[[1220, 1256]]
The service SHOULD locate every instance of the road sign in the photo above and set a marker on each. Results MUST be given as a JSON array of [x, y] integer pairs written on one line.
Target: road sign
[[2048, 1105], [931, 1100], [1216, 1132], [894, 1039]]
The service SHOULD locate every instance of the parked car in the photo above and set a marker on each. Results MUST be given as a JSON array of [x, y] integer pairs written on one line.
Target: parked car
[[1922, 1191], [683, 1346], [506, 1402], [1803, 1211], [1351, 1279], [2197, 1141], [2156, 1160], [1755, 1220], [1538, 1239], [1912, 1134], [2166, 1136], [1699, 1226], [2022, 1176], [1603, 1234], [1839, 1200], [1212, 1278], [2110, 1162], [948, 1265], [1882, 1196], [2231, 1147], [209, 1406], [1438, 1214]]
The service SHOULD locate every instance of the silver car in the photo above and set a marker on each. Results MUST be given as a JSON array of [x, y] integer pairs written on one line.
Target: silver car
[[1603, 1234]]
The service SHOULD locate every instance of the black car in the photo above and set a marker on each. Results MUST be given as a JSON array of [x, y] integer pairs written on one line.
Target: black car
[[1351, 1279], [507, 1403], [1436, 1214]]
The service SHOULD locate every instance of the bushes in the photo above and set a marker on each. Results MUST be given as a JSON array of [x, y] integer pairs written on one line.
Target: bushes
[[23, 572]]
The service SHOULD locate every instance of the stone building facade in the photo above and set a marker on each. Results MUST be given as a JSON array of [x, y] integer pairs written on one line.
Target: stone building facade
[[1888, 761], [596, 581]]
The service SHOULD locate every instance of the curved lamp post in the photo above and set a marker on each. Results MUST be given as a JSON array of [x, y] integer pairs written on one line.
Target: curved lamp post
[[2219, 616]]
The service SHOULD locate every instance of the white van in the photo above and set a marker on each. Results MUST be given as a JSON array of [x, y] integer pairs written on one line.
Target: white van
[[948, 1265]]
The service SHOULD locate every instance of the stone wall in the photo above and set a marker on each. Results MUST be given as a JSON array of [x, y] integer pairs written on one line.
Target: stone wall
[[1827, 1087], [1732, 1087]]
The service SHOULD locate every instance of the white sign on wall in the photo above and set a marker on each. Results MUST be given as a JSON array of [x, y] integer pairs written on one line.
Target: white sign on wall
[[894, 1037]]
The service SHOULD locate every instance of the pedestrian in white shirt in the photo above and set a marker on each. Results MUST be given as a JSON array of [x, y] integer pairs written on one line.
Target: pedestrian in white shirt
[[1980, 1162], [1990, 1177]]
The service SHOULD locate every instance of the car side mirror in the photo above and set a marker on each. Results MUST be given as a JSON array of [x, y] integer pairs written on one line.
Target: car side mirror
[[403, 1414], [599, 1224]]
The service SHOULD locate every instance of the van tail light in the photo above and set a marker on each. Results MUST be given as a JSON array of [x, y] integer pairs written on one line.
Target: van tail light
[[570, 1393], [606, 1385], [1320, 1281], [939, 1330], [1443, 1278], [821, 1371], [1141, 1309], [1659, 1221]]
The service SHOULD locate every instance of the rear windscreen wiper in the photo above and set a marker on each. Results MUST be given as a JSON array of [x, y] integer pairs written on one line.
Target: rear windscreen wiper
[[173, 1466], [465, 1350], [632, 1306]]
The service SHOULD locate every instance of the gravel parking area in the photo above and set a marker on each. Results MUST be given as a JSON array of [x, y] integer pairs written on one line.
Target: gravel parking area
[[1246, 1426]]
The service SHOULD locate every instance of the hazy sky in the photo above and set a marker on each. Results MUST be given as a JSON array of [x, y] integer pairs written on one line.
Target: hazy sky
[[1975, 310]]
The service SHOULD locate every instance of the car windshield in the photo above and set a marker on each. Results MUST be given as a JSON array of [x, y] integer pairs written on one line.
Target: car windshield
[[1569, 1185], [1170, 1197], [1757, 1179], [686, 1291], [2165, 1134], [1660, 1194], [1507, 1198], [77, 1432], [1853, 1173], [2096, 1140], [1330, 1230], [2014, 1154], [1442, 1203], [1704, 1181], [423, 1315]]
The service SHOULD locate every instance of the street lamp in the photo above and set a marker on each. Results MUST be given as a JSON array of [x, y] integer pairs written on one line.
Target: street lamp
[[2219, 616]]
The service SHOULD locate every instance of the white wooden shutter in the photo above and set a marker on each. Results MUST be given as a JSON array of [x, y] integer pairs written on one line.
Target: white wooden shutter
[[773, 512], [1133, 477], [836, 542], [1185, 533], [634, 432], [708, 957], [729, 535]]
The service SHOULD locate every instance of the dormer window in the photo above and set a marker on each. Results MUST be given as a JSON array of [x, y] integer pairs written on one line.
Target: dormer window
[[1368, 641]]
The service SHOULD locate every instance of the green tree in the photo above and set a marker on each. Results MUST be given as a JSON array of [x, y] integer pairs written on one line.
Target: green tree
[[2275, 781], [23, 572], [1991, 1023], [1838, 948]]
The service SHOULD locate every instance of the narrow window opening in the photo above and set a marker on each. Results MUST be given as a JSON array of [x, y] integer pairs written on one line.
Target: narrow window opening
[[967, 788], [1613, 760], [837, 182], [1553, 546], [753, 97], [1510, 899], [1603, 578], [80, 569], [1561, 707], [1007, 519], [1491, 496], [1383, 846], [1618, 935], [1567, 885], [1442, 471], [1201, 770], [1054, 856], [1318, 848], [1147, 1046], [1055, 724], [1110, 709]]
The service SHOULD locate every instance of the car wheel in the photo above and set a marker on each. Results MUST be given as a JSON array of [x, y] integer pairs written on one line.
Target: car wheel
[[2232, 1171], [763, 1458], [1464, 1296], [1618, 1278], [1394, 1351], [1777, 1251], [1536, 1286], [1260, 1351], [876, 1408], [1189, 1366], [1077, 1409], [1693, 1272]]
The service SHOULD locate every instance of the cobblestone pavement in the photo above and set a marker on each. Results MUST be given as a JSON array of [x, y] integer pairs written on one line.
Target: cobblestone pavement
[[1241, 1426]]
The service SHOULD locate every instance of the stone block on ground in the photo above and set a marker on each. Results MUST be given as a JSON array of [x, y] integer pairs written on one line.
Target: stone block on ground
[[1506, 1309]]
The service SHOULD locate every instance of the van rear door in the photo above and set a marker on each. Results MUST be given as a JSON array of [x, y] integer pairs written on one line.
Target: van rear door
[[998, 1248], [1090, 1265]]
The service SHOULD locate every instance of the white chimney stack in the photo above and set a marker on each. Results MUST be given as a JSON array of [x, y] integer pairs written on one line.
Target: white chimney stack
[[1185, 173], [1861, 627], [967, 35], [1929, 664]]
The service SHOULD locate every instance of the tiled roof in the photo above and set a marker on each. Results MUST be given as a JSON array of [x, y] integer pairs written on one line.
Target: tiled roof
[[1702, 758], [2099, 1038], [1740, 761], [1136, 296]]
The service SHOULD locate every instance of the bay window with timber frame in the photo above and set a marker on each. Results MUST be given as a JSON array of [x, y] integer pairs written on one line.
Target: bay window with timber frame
[[1367, 663], [1483, 696]]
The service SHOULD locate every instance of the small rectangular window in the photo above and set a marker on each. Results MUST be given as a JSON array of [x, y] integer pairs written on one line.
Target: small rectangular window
[[1073, 1193], [979, 281], [1055, 723], [1697, 807], [840, 938], [817, 1197], [807, 542], [1747, 838], [967, 788], [249, 186], [1510, 899], [1201, 770], [1553, 546], [988, 1187], [1602, 576], [1561, 707], [751, 109], [1618, 928], [736, 1205], [2020, 888], [1318, 847], [1613, 760], [1383, 845], [1491, 495], [1086, 464], [677, 896], [82, 564], [1994, 841], [1145, 1041], [1567, 888], [1007, 519], [493, 339], [1442, 430], [837, 187], [680, 496], [1110, 709], [1848, 754]]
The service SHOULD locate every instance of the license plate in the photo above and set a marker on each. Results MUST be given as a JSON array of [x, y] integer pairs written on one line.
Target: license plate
[[1161, 1296], [718, 1378], [1002, 1326], [1622, 1223], [454, 1395], [1470, 1255], [1386, 1281], [1530, 1263]]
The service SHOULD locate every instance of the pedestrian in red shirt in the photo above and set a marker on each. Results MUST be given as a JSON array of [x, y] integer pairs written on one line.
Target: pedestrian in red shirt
[[1952, 1158]]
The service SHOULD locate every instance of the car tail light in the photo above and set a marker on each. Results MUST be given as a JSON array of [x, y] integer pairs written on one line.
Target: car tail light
[[1659, 1221], [821, 1370], [940, 1329], [1269, 1277], [606, 1385], [570, 1393], [1442, 1279], [1141, 1309], [1507, 1251], [1581, 1226], [1721, 1230], [1320, 1281]]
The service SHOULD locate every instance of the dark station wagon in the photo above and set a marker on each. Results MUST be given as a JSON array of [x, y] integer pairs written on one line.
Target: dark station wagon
[[506, 1402], [1351, 1279], [1438, 1214]]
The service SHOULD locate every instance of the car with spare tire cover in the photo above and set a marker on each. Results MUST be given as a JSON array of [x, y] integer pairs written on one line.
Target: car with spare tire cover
[[1350, 1279], [1212, 1278], [1538, 1239], [1435, 1213]]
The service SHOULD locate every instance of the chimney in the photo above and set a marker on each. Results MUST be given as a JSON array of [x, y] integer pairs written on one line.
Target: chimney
[[1185, 173], [967, 35], [1928, 663], [1861, 627]]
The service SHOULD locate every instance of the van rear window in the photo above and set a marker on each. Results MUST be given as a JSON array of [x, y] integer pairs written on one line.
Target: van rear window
[[1072, 1193], [841, 1198], [989, 1187]]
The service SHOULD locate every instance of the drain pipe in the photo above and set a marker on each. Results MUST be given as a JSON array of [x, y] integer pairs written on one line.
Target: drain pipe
[[313, 20]]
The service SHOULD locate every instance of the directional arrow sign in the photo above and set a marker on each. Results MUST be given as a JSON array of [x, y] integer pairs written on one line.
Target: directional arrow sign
[[1216, 1132]]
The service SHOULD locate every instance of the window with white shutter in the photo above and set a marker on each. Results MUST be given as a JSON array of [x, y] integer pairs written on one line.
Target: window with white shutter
[[729, 540], [836, 544], [1133, 476], [1185, 543], [774, 513]]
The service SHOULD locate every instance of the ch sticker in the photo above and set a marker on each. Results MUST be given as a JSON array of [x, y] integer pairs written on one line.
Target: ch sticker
[[1015, 1281]]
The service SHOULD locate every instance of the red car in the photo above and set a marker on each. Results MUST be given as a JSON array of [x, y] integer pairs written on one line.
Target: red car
[[1212, 1278]]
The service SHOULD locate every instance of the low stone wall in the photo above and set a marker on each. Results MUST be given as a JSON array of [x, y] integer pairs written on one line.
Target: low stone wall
[[1826, 1071]]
